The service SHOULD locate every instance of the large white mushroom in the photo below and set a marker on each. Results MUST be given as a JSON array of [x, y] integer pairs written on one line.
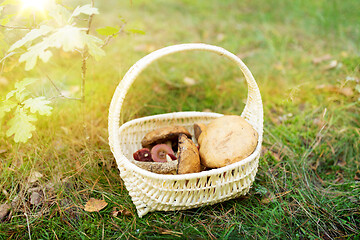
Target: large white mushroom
[[226, 140]]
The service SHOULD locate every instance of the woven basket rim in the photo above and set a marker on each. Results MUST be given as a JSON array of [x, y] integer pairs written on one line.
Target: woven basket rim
[[189, 176]]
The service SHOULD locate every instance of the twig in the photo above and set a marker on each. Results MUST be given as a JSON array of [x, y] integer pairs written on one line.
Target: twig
[[107, 40], [84, 58], [90, 18], [58, 90], [16, 27]]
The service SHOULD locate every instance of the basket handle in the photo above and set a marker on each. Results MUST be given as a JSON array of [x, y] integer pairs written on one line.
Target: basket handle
[[253, 111]]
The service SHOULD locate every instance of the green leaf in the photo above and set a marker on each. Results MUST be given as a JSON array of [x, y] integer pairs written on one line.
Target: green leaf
[[93, 43], [59, 13], [10, 94], [38, 50], [6, 106], [20, 125], [136, 31], [30, 36], [21, 86], [86, 9], [45, 55], [107, 31], [8, 2], [69, 38], [20, 89], [6, 19], [39, 104]]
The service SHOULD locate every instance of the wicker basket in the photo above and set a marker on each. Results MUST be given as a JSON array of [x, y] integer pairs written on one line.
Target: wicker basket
[[150, 191]]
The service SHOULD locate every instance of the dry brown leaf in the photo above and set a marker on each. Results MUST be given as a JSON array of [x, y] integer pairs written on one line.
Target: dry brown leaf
[[189, 81], [331, 65], [4, 210], [346, 91], [268, 198], [341, 163], [95, 205], [220, 37], [35, 198], [34, 176], [357, 175], [321, 59], [123, 212]]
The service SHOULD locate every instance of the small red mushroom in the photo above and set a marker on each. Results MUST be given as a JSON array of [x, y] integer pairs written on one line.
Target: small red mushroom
[[159, 152], [143, 155]]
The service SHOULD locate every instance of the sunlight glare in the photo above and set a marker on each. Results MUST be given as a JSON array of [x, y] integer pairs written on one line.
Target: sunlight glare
[[34, 4]]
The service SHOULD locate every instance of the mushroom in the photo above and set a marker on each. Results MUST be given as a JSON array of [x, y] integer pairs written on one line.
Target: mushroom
[[168, 135], [226, 140], [198, 128], [160, 151], [188, 156], [142, 155], [158, 167]]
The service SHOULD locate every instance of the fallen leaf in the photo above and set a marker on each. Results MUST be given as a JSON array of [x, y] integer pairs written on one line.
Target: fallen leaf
[[95, 205], [319, 122], [341, 163], [220, 37], [123, 212], [269, 197], [189, 81], [320, 59], [4, 210], [35, 198], [276, 156], [357, 175], [346, 91], [331, 65], [34, 176]]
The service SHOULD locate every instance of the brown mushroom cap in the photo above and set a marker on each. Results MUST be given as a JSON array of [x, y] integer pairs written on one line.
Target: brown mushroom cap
[[188, 156], [198, 128], [161, 135], [226, 140]]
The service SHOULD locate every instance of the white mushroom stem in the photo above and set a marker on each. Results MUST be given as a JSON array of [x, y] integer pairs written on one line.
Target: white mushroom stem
[[168, 158]]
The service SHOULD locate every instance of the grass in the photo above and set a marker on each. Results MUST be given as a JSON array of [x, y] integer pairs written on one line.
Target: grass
[[307, 185]]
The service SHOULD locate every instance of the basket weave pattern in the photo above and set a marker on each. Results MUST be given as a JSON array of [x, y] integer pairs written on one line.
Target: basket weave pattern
[[150, 191]]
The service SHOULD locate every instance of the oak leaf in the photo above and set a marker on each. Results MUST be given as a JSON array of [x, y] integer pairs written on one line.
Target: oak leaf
[[95, 205]]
